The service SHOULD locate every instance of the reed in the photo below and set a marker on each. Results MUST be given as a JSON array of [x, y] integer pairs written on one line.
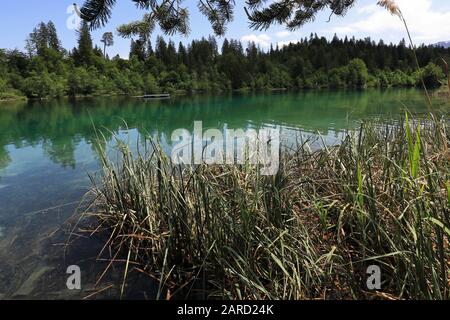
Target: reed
[[382, 197], [394, 9]]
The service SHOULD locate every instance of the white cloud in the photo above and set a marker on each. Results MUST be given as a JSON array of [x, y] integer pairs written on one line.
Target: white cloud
[[426, 24], [263, 40], [286, 43], [371, 8], [282, 34]]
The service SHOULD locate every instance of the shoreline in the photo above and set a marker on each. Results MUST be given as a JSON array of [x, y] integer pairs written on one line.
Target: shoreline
[[439, 92]]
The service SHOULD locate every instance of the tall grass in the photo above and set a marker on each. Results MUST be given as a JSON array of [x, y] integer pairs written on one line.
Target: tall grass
[[394, 9], [380, 198], [387, 189]]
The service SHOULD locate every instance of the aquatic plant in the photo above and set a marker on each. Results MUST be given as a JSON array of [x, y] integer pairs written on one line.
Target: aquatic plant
[[381, 198]]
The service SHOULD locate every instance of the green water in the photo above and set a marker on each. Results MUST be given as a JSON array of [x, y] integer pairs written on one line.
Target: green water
[[46, 153]]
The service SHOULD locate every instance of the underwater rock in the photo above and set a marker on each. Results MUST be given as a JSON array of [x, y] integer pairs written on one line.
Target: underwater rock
[[31, 282]]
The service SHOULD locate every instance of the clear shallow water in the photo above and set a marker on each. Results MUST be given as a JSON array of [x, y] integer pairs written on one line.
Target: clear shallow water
[[46, 153]]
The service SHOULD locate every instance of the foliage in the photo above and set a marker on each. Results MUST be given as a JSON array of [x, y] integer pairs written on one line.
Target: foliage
[[43, 37], [432, 74], [309, 232], [172, 17], [107, 40], [201, 66], [3, 85], [83, 54]]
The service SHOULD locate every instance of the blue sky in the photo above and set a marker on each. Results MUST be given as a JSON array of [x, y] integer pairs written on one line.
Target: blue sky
[[429, 21]]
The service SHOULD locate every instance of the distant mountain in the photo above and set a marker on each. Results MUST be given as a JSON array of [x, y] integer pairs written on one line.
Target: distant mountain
[[445, 44]]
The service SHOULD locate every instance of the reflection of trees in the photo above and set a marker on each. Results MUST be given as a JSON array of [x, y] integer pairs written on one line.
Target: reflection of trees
[[61, 150], [59, 124], [5, 159], [7, 112]]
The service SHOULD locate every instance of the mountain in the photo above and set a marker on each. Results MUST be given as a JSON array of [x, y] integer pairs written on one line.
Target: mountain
[[445, 44]]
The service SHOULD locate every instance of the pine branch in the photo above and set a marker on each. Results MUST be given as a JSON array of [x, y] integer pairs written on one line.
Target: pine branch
[[142, 28], [97, 12], [173, 18], [292, 13]]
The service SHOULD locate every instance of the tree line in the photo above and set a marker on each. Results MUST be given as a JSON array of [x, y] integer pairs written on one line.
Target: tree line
[[48, 70]]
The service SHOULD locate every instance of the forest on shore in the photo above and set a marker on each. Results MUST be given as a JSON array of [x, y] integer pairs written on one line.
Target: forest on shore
[[47, 70]]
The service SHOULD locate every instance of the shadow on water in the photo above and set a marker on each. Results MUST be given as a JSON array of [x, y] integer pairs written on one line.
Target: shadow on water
[[47, 150]]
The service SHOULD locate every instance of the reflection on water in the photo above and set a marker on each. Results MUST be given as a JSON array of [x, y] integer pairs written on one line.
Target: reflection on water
[[47, 149]]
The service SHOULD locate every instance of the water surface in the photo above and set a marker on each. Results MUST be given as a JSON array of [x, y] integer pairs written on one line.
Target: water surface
[[47, 150]]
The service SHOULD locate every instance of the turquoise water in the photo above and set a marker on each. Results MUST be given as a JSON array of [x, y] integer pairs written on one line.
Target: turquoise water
[[47, 150]]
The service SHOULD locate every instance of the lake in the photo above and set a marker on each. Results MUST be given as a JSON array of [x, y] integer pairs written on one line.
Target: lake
[[47, 151]]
